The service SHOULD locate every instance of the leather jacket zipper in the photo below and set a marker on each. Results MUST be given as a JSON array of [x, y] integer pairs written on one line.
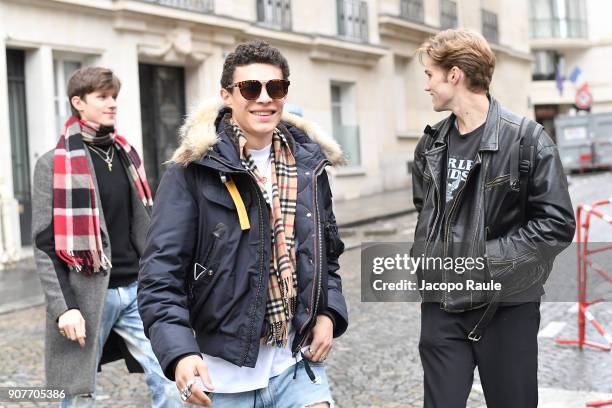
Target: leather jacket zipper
[[499, 180], [447, 224], [435, 224], [454, 206]]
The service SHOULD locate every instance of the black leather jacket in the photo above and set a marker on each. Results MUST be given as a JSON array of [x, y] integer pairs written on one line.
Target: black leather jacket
[[485, 218]]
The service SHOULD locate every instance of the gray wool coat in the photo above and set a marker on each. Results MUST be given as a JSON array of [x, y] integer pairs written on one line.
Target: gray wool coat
[[67, 365]]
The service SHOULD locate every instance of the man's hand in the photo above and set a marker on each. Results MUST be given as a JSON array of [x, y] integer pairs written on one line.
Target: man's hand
[[72, 325], [186, 370], [322, 338]]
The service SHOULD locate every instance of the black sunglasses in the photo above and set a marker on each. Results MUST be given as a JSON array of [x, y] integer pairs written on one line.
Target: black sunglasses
[[251, 89]]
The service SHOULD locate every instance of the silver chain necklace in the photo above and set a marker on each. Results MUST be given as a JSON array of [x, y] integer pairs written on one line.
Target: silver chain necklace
[[108, 157]]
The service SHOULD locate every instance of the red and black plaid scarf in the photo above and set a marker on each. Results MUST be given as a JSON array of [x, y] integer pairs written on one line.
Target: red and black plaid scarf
[[76, 218], [282, 286]]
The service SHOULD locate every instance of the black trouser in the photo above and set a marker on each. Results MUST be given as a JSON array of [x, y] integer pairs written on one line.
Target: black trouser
[[506, 356]]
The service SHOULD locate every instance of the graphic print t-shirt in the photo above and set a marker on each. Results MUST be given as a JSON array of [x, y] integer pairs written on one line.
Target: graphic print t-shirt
[[462, 150]]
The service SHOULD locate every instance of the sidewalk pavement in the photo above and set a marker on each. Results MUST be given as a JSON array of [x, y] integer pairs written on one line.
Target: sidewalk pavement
[[20, 287], [351, 213]]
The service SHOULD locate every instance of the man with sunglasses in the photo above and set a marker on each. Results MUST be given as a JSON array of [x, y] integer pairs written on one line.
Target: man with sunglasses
[[239, 286]]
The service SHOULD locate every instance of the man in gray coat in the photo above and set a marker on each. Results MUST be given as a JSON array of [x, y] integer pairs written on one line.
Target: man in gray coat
[[91, 211]]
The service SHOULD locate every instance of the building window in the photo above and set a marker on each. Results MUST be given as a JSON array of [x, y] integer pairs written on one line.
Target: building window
[[490, 30], [448, 14], [557, 19], [412, 10], [353, 19], [202, 6], [274, 13], [545, 63], [344, 121], [63, 68]]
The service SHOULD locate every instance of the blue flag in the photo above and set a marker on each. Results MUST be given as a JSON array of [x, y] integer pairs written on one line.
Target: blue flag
[[559, 77]]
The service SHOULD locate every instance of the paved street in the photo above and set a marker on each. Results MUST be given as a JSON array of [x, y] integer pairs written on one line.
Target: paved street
[[376, 364]]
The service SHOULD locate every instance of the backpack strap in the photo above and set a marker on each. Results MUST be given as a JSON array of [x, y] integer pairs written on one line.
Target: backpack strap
[[528, 146], [522, 158]]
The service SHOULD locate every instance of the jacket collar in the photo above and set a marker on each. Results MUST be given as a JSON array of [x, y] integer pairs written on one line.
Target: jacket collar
[[490, 136], [203, 133]]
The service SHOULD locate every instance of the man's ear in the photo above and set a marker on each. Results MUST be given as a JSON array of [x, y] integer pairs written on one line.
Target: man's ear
[[227, 97], [77, 103], [455, 75]]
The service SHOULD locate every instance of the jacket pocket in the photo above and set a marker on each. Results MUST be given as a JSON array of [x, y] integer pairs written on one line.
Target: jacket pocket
[[216, 192], [205, 267], [503, 270], [497, 181]]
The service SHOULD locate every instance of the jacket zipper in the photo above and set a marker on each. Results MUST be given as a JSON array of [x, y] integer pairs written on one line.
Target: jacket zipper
[[449, 217], [435, 224], [318, 257], [318, 249], [454, 206], [512, 261], [497, 181], [261, 272], [205, 262], [255, 188]]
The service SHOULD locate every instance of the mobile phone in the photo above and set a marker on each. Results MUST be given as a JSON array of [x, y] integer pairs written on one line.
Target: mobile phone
[[200, 384]]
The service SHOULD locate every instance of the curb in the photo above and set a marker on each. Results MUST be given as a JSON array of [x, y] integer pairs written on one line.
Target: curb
[[375, 218]]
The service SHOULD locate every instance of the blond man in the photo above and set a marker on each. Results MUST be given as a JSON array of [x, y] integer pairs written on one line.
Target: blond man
[[489, 186]]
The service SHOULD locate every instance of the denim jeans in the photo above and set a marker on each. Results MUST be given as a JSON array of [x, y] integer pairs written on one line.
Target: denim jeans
[[282, 391], [121, 315]]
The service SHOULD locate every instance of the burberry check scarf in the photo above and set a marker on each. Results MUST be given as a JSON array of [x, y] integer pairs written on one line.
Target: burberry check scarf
[[282, 286], [76, 218]]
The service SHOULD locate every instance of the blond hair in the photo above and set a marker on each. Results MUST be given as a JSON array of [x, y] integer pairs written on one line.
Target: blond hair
[[466, 49]]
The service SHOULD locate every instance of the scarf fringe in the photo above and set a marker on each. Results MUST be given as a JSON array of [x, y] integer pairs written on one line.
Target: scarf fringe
[[87, 262], [277, 334]]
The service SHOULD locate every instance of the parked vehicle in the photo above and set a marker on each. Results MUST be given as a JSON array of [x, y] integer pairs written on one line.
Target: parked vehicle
[[584, 141]]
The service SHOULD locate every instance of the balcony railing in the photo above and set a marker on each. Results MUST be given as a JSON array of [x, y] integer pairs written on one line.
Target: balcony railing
[[275, 13], [202, 6], [558, 28], [412, 10], [353, 19]]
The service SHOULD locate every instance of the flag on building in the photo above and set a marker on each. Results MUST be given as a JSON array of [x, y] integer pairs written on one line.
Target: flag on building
[[559, 75], [578, 79]]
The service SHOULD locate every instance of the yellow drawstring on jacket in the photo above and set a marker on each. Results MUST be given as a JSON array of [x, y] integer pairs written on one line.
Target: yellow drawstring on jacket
[[243, 217]]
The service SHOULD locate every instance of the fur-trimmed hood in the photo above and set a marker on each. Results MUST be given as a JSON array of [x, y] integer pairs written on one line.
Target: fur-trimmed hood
[[198, 134]]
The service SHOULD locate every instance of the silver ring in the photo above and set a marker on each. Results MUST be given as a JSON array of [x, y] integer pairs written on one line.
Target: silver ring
[[186, 392], [323, 358]]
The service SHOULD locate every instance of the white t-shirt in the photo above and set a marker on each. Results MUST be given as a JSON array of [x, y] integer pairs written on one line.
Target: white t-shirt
[[263, 161], [271, 361]]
